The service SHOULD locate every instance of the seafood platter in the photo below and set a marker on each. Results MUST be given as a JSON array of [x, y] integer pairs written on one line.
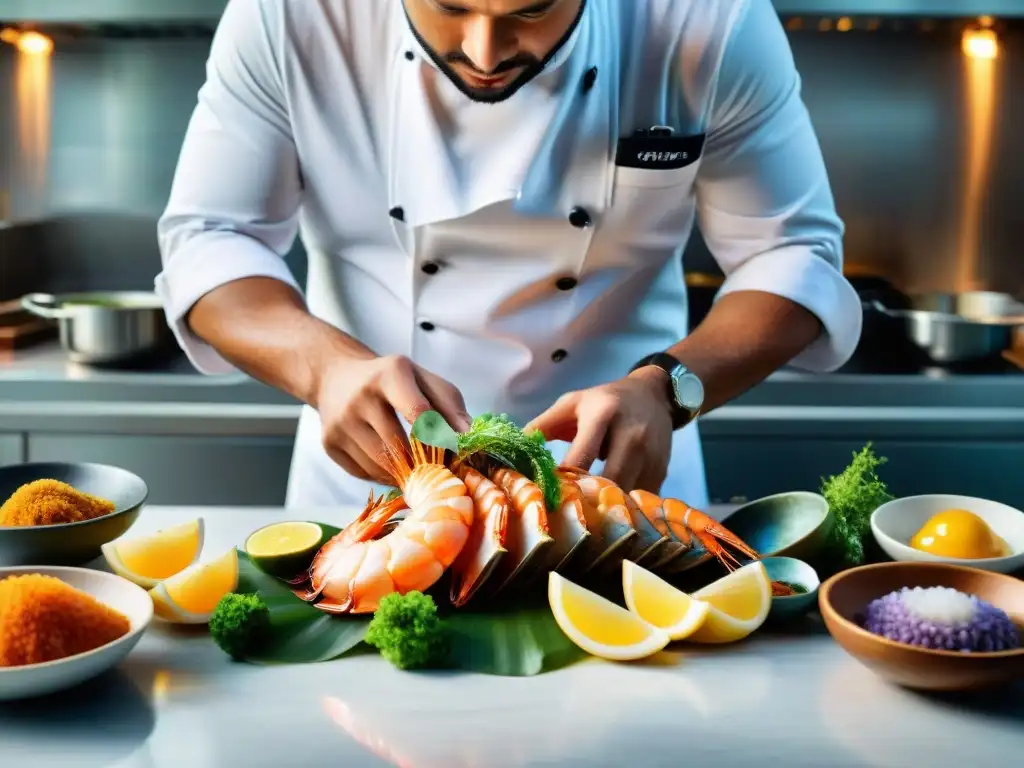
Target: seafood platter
[[488, 556]]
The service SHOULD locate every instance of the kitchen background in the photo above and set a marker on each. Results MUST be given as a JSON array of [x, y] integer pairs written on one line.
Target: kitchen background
[[919, 113]]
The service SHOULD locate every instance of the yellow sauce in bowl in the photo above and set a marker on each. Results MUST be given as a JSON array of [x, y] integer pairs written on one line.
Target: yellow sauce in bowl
[[960, 534]]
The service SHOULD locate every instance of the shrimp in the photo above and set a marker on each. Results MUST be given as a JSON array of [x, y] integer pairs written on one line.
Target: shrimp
[[680, 542], [626, 531], [568, 526], [683, 521], [355, 570], [529, 536], [486, 544]]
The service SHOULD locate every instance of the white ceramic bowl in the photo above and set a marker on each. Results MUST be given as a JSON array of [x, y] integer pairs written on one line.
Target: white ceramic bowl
[[49, 677], [895, 523]]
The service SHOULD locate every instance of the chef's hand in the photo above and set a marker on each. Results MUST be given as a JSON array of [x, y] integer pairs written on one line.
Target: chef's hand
[[627, 424], [360, 403]]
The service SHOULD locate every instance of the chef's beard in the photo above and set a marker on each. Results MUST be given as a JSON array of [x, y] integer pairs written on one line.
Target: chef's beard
[[532, 66]]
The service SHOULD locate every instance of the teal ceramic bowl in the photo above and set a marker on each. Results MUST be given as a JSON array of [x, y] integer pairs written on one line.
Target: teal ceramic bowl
[[797, 573], [70, 543], [794, 524]]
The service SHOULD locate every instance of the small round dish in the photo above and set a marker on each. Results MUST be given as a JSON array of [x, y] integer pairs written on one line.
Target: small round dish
[[894, 524], [795, 572], [793, 524], [49, 677], [70, 543], [845, 596]]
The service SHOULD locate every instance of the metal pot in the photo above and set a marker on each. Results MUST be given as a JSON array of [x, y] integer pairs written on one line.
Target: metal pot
[[105, 328], [958, 328]]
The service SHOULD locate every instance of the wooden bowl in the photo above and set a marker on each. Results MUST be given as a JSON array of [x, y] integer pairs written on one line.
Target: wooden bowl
[[845, 595], [70, 543]]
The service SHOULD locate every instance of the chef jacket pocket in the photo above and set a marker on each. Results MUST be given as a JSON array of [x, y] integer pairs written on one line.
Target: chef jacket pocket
[[657, 161], [660, 178]]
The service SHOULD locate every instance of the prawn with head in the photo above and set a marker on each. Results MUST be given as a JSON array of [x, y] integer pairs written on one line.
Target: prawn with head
[[357, 568]]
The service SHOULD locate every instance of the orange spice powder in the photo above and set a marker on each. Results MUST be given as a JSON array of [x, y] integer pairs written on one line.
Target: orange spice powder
[[51, 502]]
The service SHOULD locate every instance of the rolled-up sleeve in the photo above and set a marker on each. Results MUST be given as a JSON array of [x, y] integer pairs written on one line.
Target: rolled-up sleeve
[[233, 206], [765, 207]]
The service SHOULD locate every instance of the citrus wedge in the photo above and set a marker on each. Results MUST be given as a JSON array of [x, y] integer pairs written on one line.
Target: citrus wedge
[[148, 560], [284, 549], [599, 626], [739, 604], [189, 597], [659, 603]]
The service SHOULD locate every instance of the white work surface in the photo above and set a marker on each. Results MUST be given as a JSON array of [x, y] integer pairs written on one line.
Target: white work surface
[[778, 700]]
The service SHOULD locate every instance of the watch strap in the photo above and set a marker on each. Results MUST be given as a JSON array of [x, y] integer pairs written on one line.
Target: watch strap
[[681, 416]]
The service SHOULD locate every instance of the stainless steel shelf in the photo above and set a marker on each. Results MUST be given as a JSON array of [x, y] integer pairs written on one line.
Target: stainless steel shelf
[[163, 12], [930, 8], [171, 12]]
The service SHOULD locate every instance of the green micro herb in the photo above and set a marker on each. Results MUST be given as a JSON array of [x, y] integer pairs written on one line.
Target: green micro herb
[[408, 632], [499, 437], [853, 495]]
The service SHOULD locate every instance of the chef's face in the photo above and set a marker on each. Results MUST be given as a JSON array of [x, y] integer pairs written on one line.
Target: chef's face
[[491, 48]]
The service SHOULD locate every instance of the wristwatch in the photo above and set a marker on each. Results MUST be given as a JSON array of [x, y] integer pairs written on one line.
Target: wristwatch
[[685, 389]]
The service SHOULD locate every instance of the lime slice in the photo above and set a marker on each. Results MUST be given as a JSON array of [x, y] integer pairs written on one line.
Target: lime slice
[[284, 549]]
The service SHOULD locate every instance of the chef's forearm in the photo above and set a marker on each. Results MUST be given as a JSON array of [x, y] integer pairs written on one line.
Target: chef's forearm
[[261, 325], [745, 338]]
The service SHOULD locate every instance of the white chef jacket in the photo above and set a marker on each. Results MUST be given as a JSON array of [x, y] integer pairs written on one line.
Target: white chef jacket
[[509, 248]]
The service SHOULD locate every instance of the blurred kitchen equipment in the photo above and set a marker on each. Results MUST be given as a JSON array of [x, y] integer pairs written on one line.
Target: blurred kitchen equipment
[[957, 327], [701, 289], [20, 328], [103, 328]]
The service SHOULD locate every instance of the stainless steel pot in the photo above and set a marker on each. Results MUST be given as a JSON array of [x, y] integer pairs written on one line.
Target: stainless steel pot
[[105, 328], [959, 328]]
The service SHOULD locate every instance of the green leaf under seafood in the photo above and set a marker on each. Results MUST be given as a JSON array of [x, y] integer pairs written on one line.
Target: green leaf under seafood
[[499, 437], [298, 632], [508, 640], [430, 428]]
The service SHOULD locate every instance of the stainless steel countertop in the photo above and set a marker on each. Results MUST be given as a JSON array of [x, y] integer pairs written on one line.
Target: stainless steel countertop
[[791, 700], [38, 386]]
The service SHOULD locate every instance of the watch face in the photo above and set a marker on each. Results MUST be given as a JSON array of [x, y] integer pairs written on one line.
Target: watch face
[[688, 389]]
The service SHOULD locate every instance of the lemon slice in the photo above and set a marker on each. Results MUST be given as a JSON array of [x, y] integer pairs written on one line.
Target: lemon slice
[[284, 549], [599, 626], [148, 560], [659, 603], [189, 597], [739, 604]]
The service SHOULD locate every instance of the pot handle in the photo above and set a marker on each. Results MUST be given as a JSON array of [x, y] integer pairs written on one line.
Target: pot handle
[[878, 306], [43, 305]]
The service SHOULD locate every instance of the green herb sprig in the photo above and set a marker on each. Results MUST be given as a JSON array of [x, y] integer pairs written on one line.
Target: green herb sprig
[[853, 495], [499, 437]]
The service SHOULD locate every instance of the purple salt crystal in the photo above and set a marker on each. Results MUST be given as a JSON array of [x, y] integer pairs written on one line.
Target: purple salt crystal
[[987, 630]]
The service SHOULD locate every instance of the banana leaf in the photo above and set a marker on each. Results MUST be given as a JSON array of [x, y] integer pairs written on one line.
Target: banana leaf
[[522, 641]]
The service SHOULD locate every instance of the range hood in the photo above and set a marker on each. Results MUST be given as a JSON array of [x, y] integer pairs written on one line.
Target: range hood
[[162, 12], [170, 12]]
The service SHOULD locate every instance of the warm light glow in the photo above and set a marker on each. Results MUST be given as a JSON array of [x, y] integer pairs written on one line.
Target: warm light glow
[[981, 73], [845, 24], [980, 44], [9, 35], [35, 43], [32, 98]]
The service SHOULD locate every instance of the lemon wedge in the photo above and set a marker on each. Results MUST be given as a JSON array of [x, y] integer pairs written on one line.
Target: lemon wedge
[[739, 604], [189, 597], [148, 560], [659, 603], [599, 626]]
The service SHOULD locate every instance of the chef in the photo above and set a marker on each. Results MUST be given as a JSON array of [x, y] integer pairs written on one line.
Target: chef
[[494, 196]]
